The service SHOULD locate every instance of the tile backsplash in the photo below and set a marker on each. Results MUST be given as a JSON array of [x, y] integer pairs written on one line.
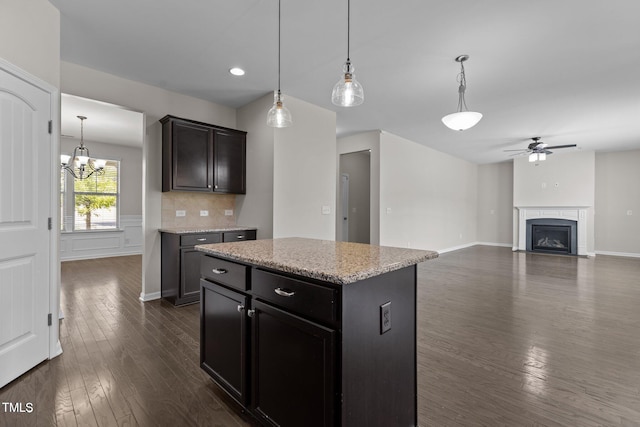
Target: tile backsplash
[[192, 204]]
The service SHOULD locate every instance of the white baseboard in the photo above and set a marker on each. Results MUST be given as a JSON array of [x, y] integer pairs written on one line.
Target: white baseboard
[[150, 296], [456, 248], [624, 254], [502, 245]]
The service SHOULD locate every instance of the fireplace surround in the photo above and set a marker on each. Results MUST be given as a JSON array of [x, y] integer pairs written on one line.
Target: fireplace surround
[[576, 214]]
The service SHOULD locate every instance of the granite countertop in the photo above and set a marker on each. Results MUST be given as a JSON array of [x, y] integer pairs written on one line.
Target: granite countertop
[[335, 262], [194, 230]]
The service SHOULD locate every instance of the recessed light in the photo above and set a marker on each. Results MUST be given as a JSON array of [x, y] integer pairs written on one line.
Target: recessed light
[[237, 71]]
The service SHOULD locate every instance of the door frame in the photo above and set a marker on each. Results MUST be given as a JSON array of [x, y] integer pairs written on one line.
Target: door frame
[[55, 348]]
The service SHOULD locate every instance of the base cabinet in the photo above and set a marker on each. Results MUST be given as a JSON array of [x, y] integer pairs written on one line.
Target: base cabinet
[[293, 369], [223, 316], [180, 281], [300, 352]]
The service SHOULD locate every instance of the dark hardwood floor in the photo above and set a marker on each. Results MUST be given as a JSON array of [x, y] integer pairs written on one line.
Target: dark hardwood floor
[[504, 339]]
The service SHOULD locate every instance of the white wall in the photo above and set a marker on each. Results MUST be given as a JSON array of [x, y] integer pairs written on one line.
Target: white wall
[[30, 37], [255, 208], [617, 192], [564, 179], [304, 173], [360, 142], [155, 103], [495, 203], [428, 199]]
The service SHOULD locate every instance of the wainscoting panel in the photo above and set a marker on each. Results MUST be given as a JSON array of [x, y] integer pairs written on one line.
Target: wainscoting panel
[[100, 244]]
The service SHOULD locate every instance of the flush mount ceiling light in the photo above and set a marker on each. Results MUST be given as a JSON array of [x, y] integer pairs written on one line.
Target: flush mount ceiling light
[[236, 71], [279, 115], [81, 161], [462, 119], [348, 92]]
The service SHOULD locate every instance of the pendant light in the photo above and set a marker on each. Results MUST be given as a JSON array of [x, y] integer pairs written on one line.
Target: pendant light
[[348, 92], [80, 162], [463, 119], [279, 115]]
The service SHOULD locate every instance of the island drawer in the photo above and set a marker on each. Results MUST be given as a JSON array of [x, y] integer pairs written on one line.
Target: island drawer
[[315, 301], [224, 272], [200, 239], [238, 236]]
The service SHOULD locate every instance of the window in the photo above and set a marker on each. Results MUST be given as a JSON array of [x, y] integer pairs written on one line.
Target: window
[[94, 201]]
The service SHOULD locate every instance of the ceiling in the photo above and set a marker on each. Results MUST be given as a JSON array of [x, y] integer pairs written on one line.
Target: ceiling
[[566, 71]]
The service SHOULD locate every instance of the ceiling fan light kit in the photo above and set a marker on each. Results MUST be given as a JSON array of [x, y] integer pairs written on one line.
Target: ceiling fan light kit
[[279, 116], [348, 91], [538, 150], [462, 119]]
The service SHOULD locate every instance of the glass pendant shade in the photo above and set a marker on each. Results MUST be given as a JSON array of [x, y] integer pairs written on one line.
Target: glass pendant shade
[[279, 115], [347, 92], [533, 157], [64, 159], [462, 120]]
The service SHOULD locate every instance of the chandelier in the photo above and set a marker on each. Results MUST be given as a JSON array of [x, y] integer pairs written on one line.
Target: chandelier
[[80, 165]]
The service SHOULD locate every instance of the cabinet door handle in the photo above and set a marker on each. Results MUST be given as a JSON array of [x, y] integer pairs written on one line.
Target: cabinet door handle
[[240, 237], [240, 308], [209, 186], [202, 239], [251, 313], [219, 271], [283, 292]]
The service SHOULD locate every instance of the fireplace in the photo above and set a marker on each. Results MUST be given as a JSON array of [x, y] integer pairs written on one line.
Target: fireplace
[[549, 235]]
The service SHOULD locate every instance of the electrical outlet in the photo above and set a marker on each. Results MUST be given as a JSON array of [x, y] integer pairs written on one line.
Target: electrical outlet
[[385, 317], [181, 213], [326, 210], [629, 212], [228, 212], [204, 213]]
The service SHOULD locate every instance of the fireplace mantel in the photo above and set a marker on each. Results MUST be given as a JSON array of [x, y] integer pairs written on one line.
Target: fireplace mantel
[[575, 213]]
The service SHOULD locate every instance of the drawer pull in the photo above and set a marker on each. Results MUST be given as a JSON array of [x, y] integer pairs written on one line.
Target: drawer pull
[[202, 239], [219, 271], [251, 313], [283, 292], [240, 237], [240, 308]]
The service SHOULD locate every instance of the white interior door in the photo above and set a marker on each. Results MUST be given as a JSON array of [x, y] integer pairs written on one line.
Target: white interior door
[[25, 208]]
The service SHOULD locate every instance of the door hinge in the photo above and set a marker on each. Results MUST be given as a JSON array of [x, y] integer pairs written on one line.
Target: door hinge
[[49, 223], [49, 321], [50, 126]]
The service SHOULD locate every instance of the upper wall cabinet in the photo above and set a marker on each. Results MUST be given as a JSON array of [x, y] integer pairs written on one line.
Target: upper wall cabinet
[[202, 157]]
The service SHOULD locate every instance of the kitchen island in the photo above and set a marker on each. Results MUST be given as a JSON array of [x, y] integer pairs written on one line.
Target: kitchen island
[[312, 332]]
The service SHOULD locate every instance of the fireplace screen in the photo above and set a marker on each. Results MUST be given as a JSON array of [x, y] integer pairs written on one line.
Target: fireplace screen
[[551, 235], [556, 238]]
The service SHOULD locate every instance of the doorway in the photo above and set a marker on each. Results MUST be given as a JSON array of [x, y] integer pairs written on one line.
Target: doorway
[[355, 197]]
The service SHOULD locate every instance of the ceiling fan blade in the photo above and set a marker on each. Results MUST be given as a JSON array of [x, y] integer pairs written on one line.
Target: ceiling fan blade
[[547, 152], [521, 149], [562, 146], [518, 154]]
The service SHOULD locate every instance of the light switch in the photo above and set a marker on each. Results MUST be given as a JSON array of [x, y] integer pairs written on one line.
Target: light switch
[[228, 212], [388, 211], [181, 213], [326, 210]]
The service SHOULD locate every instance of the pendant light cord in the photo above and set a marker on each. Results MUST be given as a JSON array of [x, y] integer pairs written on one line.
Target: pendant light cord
[[348, 29], [279, 31]]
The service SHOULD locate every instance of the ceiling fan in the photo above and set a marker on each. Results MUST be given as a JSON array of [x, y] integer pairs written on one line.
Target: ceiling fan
[[538, 150]]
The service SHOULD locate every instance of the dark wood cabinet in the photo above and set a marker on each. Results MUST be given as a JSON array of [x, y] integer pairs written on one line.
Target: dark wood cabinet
[[222, 314], [317, 352], [181, 262], [202, 157], [293, 369]]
